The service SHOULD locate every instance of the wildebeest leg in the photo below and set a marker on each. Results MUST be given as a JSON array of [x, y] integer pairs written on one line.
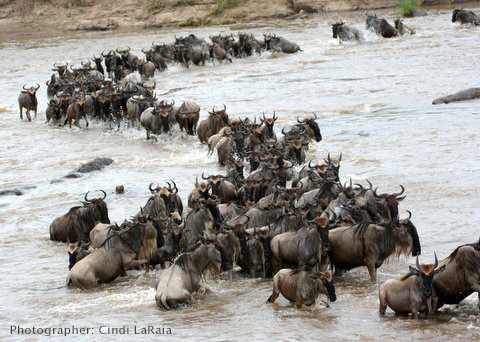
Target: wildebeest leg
[[338, 271], [148, 135], [230, 272], [21, 112], [28, 115], [415, 313], [86, 120], [35, 113], [383, 301], [373, 272], [277, 265]]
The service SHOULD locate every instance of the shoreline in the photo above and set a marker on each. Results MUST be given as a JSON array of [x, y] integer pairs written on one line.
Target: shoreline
[[19, 23]]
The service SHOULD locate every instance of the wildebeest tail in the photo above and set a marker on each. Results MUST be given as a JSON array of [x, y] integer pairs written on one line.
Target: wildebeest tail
[[163, 299]]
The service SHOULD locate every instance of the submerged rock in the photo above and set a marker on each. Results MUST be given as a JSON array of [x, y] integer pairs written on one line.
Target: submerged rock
[[94, 165], [16, 191], [464, 95]]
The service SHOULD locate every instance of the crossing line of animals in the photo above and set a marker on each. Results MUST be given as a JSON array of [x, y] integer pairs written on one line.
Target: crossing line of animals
[[249, 217]]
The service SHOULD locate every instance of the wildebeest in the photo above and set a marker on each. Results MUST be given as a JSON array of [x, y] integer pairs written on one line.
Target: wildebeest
[[53, 112], [280, 44], [157, 119], [369, 245], [311, 128], [305, 246], [146, 68], [229, 246], [345, 32], [380, 26], [216, 120], [402, 28], [76, 111], [28, 100], [125, 247], [461, 276], [182, 278], [219, 53], [465, 17], [302, 288], [187, 116], [411, 293], [79, 221]]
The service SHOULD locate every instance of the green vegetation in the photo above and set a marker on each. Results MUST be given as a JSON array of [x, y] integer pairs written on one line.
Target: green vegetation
[[223, 5], [408, 8], [195, 21], [184, 3]]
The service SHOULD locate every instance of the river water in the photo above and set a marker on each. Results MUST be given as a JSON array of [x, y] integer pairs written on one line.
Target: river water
[[374, 105]]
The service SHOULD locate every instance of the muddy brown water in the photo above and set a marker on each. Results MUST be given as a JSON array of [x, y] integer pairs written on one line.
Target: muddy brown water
[[374, 105]]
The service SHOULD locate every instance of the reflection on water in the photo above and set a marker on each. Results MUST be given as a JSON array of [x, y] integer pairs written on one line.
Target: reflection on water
[[374, 105]]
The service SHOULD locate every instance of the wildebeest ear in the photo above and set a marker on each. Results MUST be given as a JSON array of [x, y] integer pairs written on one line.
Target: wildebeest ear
[[413, 270], [440, 269]]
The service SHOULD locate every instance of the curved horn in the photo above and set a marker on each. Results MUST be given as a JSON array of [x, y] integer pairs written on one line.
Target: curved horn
[[417, 263], [401, 192], [203, 177], [104, 194], [299, 185], [38, 85], [86, 199], [315, 116], [409, 214], [369, 184], [224, 107], [25, 86], [299, 121], [150, 188], [436, 260]]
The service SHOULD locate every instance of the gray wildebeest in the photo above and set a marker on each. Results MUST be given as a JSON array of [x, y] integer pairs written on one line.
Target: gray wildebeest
[[306, 246], [157, 119], [461, 276], [280, 44], [367, 244], [79, 221], [28, 100], [302, 288], [380, 26], [182, 278], [411, 293], [465, 17], [187, 116], [346, 33], [128, 246]]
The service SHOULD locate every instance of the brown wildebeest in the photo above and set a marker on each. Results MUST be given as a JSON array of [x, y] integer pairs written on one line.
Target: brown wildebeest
[[217, 119], [128, 246], [187, 116], [302, 288], [28, 100], [229, 246], [461, 276], [306, 246], [411, 293], [182, 278], [370, 245], [267, 128], [79, 221], [222, 188], [76, 111]]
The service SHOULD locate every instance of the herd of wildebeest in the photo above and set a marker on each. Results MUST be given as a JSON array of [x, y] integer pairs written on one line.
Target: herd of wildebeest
[[273, 214]]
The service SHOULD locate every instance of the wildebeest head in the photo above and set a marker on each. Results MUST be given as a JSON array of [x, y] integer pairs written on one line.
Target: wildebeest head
[[456, 11], [312, 127], [214, 182], [392, 202], [324, 284], [222, 113], [268, 122], [100, 205], [337, 28], [321, 223], [333, 168], [426, 272], [371, 21], [31, 90], [164, 109]]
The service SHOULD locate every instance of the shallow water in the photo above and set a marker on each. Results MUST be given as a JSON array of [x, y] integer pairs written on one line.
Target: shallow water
[[374, 106]]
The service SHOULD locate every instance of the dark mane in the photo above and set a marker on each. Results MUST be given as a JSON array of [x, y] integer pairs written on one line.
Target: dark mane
[[361, 228], [417, 249], [406, 276], [182, 261]]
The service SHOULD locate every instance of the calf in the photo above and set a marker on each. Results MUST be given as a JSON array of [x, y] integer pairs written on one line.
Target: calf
[[412, 292], [302, 288]]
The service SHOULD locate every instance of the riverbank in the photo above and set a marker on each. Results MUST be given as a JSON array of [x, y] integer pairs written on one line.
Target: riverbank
[[29, 18]]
